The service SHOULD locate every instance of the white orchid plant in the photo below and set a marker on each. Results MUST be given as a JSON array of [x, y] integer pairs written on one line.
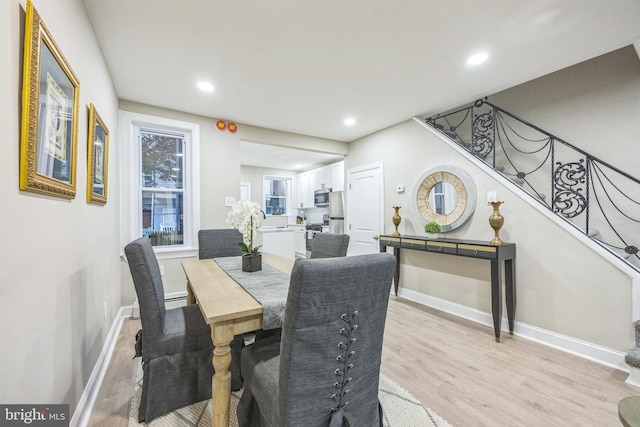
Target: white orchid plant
[[245, 216]]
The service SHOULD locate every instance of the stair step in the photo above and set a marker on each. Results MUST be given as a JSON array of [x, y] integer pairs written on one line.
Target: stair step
[[517, 180], [620, 252], [593, 232], [632, 358]]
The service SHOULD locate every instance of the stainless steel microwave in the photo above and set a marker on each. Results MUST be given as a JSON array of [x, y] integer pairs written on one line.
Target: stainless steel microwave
[[321, 197]]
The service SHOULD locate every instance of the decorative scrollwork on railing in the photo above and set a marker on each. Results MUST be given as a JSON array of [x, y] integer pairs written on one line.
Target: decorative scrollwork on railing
[[568, 199], [597, 198], [482, 135]]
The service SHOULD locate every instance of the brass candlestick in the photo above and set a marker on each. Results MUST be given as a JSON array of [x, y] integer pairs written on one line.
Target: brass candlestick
[[496, 221], [396, 219]]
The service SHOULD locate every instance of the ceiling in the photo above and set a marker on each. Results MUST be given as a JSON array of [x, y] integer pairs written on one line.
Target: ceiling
[[262, 155], [305, 66]]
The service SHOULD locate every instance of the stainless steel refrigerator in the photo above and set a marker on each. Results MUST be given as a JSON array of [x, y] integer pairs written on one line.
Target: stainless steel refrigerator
[[336, 212]]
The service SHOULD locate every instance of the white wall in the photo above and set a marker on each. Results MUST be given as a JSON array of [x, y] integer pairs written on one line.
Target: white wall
[[60, 258], [255, 175], [221, 175], [563, 286], [593, 105]]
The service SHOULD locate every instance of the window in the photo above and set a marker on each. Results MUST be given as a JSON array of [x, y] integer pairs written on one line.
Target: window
[[162, 186], [439, 198], [443, 198], [162, 182], [277, 195]]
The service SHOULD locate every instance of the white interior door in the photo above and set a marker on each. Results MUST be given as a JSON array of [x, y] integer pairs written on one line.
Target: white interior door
[[245, 191], [365, 213]]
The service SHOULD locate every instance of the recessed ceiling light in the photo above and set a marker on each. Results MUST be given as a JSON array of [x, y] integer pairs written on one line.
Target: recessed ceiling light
[[350, 121], [478, 58], [205, 86]]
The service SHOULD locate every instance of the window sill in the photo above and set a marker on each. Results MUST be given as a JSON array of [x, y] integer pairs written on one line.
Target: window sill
[[171, 253], [178, 252]]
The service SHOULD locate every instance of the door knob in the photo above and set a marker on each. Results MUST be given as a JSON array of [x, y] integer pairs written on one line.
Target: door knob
[[375, 237]]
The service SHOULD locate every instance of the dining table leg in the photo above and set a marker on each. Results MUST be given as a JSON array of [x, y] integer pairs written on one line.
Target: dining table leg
[[221, 335], [191, 299]]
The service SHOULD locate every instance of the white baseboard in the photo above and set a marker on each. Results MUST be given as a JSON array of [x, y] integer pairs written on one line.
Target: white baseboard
[[171, 300], [602, 355], [87, 401], [83, 411], [595, 353]]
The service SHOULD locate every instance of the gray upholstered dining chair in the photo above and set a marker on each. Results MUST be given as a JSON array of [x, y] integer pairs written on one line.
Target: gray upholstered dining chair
[[329, 245], [176, 344], [223, 242], [324, 371]]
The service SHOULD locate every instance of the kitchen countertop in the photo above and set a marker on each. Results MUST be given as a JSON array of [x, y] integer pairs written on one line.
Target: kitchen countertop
[[274, 229]]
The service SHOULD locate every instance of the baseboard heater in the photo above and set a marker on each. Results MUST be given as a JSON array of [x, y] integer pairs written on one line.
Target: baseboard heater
[[171, 300]]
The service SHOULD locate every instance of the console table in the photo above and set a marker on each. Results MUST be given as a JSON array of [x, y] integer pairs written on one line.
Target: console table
[[472, 249]]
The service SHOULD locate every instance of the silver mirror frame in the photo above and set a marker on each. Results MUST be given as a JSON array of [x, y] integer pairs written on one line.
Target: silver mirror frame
[[466, 192]]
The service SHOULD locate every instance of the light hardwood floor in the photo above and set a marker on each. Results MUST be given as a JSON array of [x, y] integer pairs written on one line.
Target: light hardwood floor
[[454, 367]]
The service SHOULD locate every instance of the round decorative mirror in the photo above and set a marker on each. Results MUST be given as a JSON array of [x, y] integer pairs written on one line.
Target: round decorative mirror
[[446, 195], [443, 198]]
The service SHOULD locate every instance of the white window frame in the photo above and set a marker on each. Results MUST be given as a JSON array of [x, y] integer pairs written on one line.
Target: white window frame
[[130, 185], [289, 196]]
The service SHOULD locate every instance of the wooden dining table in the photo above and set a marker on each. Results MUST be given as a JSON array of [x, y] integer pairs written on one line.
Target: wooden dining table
[[229, 310]]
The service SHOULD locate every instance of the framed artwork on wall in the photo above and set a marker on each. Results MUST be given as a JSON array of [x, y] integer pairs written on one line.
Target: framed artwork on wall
[[50, 92], [97, 158]]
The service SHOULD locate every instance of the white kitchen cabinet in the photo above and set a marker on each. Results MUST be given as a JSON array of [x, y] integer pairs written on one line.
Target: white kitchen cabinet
[[302, 182], [337, 172], [299, 239], [313, 182], [278, 241], [325, 177], [331, 176], [305, 191]]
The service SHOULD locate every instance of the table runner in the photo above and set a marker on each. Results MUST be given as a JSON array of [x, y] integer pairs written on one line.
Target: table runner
[[268, 286]]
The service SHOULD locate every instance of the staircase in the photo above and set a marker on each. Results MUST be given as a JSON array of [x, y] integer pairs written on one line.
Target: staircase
[[600, 200], [633, 359]]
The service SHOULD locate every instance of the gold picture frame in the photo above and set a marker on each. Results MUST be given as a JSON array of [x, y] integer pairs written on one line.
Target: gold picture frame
[[97, 158], [50, 93]]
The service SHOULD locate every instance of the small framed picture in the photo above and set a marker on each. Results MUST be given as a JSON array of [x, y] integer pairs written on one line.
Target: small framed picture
[[97, 158], [50, 95]]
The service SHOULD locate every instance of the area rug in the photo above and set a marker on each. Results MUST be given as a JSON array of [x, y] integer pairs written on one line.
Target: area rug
[[399, 407]]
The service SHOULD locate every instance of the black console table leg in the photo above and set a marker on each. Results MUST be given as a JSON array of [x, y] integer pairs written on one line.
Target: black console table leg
[[510, 294], [496, 298], [396, 274]]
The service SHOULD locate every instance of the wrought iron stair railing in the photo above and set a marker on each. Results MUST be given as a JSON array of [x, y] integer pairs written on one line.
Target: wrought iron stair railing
[[597, 198]]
